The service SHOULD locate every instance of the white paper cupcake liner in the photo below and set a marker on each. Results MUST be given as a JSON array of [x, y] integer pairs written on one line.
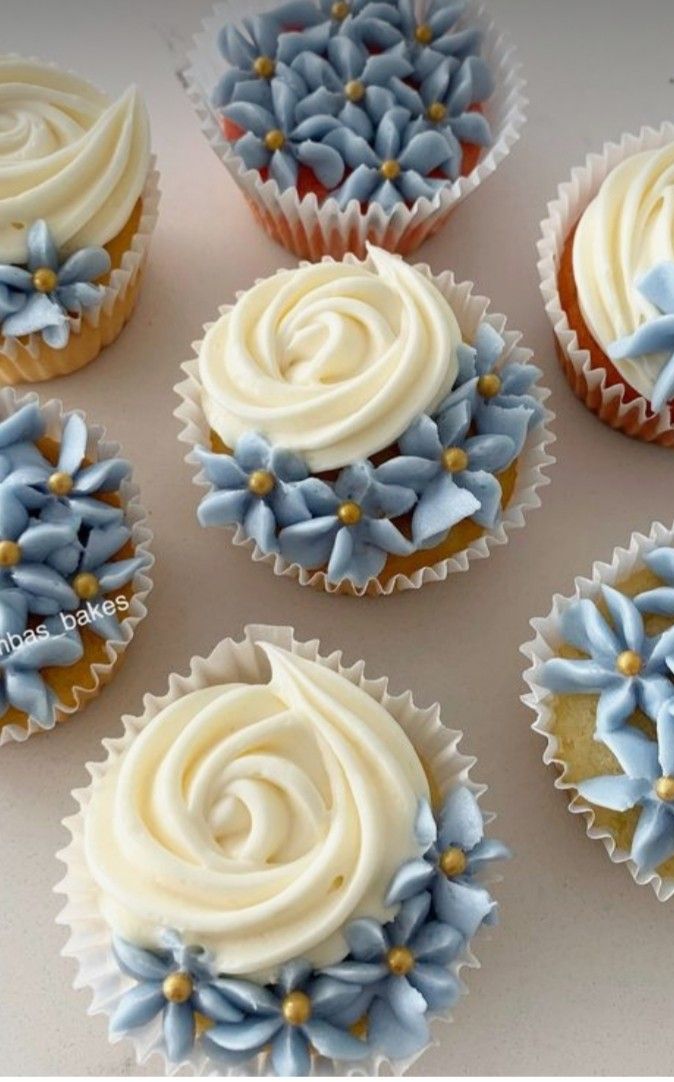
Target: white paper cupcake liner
[[233, 661], [470, 311], [548, 639], [311, 229], [589, 383], [19, 358], [135, 517]]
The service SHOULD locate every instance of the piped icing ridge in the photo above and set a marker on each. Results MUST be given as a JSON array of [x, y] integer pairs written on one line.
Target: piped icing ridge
[[68, 154], [624, 234], [373, 100], [257, 820]]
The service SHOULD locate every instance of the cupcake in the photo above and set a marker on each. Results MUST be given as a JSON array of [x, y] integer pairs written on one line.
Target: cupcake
[[359, 121], [278, 868], [607, 274], [603, 692], [73, 564], [78, 203], [364, 425]]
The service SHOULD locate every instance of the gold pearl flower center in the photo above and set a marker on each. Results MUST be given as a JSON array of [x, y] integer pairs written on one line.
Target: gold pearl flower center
[[339, 10], [664, 787], [423, 34], [60, 483], [177, 987], [390, 169], [349, 513], [354, 90], [454, 459], [452, 861], [261, 482], [274, 139], [489, 385], [264, 67], [45, 279], [296, 1008], [400, 960], [436, 112], [10, 554], [629, 663], [86, 585]]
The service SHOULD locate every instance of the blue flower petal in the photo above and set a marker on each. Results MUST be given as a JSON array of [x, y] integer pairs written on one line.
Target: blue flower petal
[[464, 906], [461, 822], [137, 1007]]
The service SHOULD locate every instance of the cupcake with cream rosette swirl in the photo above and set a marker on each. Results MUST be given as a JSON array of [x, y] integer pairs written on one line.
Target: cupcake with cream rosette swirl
[[78, 201], [279, 867], [363, 424]]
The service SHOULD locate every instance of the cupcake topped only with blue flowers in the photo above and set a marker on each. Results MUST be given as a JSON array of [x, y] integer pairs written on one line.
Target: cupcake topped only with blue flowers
[[352, 432], [377, 101], [69, 567], [287, 888]]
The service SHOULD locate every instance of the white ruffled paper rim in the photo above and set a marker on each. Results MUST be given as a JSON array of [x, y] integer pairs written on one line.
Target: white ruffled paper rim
[[232, 661], [504, 110], [545, 645], [470, 311], [121, 278], [573, 196], [135, 518]]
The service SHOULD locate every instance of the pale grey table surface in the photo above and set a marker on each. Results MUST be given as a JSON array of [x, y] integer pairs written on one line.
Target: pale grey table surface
[[577, 979]]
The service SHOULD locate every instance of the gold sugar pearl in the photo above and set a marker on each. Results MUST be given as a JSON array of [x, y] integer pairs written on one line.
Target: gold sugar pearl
[[177, 987], [45, 279], [359, 1028], [452, 861], [339, 10], [60, 483], [629, 663], [349, 513], [261, 482], [354, 90], [664, 787], [436, 112], [86, 586], [400, 961], [489, 385], [423, 34], [454, 459], [264, 67], [296, 1008], [274, 139], [390, 169], [10, 554]]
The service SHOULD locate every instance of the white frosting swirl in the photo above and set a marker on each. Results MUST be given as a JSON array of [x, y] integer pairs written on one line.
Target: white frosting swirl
[[257, 820], [68, 155], [625, 231], [332, 360]]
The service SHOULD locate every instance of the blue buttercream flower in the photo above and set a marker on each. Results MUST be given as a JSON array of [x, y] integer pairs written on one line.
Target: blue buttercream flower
[[274, 139], [72, 484], [647, 783], [24, 653], [403, 966], [301, 1012], [655, 336], [624, 666], [259, 487], [396, 168], [456, 853], [350, 530], [97, 575], [500, 397], [376, 24], [659, 600], [434, 28], [268, 39], [48, 289], [35, 557], [452, 471], [174, 983], [344, 84]]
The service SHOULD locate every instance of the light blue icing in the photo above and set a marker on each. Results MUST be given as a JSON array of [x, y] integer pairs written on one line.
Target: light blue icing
[[660, 600], [25, 310], [436, 916], [582, 625], [299, 516], [655, 336], [96, 559], [23, 655], [375, 45]]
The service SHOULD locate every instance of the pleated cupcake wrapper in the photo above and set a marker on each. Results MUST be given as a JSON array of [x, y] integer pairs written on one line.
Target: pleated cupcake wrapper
[[135, 517], [236, 661], [470, 311], [312, 229], [27, 360], [635, 417], [548, 639]]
